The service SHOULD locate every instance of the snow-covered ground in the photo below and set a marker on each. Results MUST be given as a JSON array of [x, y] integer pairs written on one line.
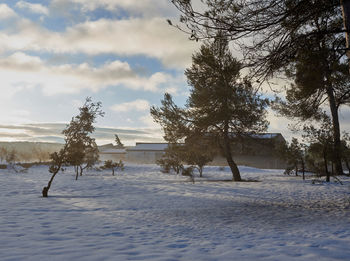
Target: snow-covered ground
[[143, 214]]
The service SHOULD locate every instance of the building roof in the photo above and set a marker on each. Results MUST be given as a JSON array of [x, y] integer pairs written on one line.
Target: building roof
[[149, 147]]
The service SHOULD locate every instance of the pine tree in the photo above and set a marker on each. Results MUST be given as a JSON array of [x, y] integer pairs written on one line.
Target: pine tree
[[119, 145], [198, 152], [221, 105], [321, 143], [173, 158], [278, 35], [294, 156]]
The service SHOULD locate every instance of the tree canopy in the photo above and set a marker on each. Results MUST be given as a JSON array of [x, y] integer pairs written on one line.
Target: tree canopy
[[301, 39], [79, 147], [221, 105]]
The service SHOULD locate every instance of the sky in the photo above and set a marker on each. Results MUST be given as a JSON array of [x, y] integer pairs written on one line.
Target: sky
[[123, 53]]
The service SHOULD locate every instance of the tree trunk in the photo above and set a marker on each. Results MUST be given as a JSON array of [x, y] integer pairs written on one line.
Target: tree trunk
[[45, 190], [303, 168], [336, 131], [296, 170], [76, 173], [200, 171], [325, 166], [347, 164], [236, 176], [112, 171], [81, 170]]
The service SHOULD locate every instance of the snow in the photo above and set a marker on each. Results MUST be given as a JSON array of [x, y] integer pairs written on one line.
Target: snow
[[143, 214]]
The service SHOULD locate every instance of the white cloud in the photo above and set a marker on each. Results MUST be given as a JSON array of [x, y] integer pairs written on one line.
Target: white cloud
[[20, 71], [153, 38], [34, 8], [135, 7], [6, 12], [150, 37], [21, 62], [148, 121], [137, 105]]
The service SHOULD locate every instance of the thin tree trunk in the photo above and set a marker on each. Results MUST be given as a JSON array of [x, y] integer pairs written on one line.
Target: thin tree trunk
[[45, 190], [81, 170], [76, 173], [303, 168], [326, 167], [296, 170], [236, 176], [336, 131], [112, 171]]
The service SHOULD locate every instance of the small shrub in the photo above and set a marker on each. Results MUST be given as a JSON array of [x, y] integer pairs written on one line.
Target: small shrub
[[109, 164], [187, 171]]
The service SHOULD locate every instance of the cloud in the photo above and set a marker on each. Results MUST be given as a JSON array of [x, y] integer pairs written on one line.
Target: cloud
[[137, 105], [21, 71], [153, 38], [6, 12], [135, 7], [149, 37], [280, 124], [34, 8], [148, 121], [52, 132]]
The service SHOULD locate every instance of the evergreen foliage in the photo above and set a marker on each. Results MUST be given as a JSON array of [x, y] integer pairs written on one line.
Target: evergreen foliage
[[222, 105], [79, 147], [294, 154], [198, 152], [305, 39], [172, 159], [119, 145], [109, 164], [321, 146]]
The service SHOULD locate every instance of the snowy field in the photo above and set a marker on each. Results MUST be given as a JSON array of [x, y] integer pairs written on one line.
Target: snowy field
[[142, 214]]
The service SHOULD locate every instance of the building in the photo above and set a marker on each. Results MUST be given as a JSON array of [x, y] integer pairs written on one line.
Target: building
[[110, 152], [147, 153], [258, 150]]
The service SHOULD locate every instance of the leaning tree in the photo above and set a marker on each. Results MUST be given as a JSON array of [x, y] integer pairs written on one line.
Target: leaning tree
[[221, 106], [77, 140]]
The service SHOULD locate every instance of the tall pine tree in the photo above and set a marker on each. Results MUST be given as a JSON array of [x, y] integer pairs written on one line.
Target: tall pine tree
[[222, 106], [278, 34]]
